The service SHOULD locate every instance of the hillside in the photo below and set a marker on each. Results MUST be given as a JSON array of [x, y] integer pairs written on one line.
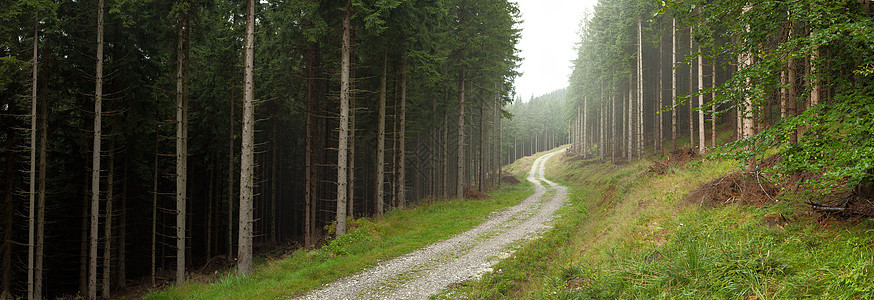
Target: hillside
[[629, 232]]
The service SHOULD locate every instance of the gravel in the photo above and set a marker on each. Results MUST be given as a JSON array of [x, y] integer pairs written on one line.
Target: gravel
[[427, 271]]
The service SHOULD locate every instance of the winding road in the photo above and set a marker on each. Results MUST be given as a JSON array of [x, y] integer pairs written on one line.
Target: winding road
[[427, 271]]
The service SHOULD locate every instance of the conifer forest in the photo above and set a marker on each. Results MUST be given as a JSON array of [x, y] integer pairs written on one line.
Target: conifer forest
[[142, 141]]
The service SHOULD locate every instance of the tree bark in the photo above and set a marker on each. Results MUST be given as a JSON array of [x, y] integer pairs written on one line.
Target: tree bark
[[639, 90], [95, 163], [674, 82], [244, 263], [659, 137], [402, 138], [344, 122], [701, 129], [691, 92], [309, 182], [107, 231], [380, 142], [713, 105], [6, 280], [181, 148], [459, 192], [31, 222]]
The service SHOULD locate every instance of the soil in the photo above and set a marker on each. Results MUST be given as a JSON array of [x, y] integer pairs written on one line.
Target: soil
[[749, 188], [677, 158], [474, 194], [507, 179]]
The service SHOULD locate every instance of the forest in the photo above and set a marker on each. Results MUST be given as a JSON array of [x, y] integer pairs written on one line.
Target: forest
[[147, 140], [787, 77], [143, 140]]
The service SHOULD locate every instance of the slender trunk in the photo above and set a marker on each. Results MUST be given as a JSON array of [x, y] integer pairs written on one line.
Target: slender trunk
[[231, 156], [815, 92], [700, 102], [402, 139], [210, 199], [107, 231], [181, 151], [713, 105], [121, 281], [500, 147], [309, 182], [639, 90], [445, 146], [746, 115], [482, 141], [613, 138], [273, 181], [6, 280], [459, 192], [660, 102], [350, 204], [691, 92], [155, 197], [627, 114], [344, 123], [674, 83], [380, 142], [41, 204], [31, 222], [244, 263], [792, 77], [95, 163]]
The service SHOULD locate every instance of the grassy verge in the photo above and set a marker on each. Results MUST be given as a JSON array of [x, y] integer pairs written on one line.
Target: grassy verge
[[627, 234], [400, 232]]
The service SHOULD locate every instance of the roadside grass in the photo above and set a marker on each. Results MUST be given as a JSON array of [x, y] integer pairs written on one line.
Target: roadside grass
[[626, 234], [367, 242]]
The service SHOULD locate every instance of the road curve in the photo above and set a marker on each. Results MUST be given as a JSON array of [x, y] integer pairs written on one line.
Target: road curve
[[426, 271]]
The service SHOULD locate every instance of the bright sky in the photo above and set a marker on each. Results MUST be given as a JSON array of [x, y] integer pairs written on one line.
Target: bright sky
[[549, 33]]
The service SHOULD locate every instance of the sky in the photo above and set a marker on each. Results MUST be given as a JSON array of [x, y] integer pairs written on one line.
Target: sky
[[549, 34]]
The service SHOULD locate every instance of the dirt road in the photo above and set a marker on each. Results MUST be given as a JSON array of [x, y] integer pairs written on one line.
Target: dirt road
[[426, 271]]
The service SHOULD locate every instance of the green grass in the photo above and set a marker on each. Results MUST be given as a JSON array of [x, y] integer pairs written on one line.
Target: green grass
[[625, 234], [400, 232]]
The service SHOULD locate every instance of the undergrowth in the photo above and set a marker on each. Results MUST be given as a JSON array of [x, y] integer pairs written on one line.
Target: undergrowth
[[628, 234]]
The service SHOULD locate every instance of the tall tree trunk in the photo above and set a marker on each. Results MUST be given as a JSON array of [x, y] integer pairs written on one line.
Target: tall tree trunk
[[713, 105], [691, 92], [613, 138], [244, 263], [31, 220], [659, 143], [155, 197], [482, 141], [181, 148], [402, 140], [459, 192], [95, 163], [674, 82], [445, 145], [121, 281], [816, 91], [792, 77], [231, 157], [41, 204], [107, 231], [700, 102], [309, 180], [747, 106], [273, 181], [350, 204], [6, 280], [639, 90], [380, 142], [344, 122], [584, 133]]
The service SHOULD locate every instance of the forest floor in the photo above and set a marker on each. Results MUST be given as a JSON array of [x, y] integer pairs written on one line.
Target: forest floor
[[683, 227]]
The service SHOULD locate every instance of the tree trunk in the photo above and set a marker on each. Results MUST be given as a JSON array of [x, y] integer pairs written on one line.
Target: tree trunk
[[402, 139], [107, 231], [660, 103], [95, 163], [746, 115], [700, 102], [31, 221], [309, 181], [713, 106], [350, 204], [231, 161], [815, 92], [344, 122], [6, 280], [181, 149], [244, 263], [445, 146], [792, 77], [691, 92], [121, 282], [639, 90], [459, 192], [155, 196], [482, 141], [380, 142], [674, 83]]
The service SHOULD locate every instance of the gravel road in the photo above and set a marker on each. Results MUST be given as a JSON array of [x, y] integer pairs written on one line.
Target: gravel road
[[426, 271]]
